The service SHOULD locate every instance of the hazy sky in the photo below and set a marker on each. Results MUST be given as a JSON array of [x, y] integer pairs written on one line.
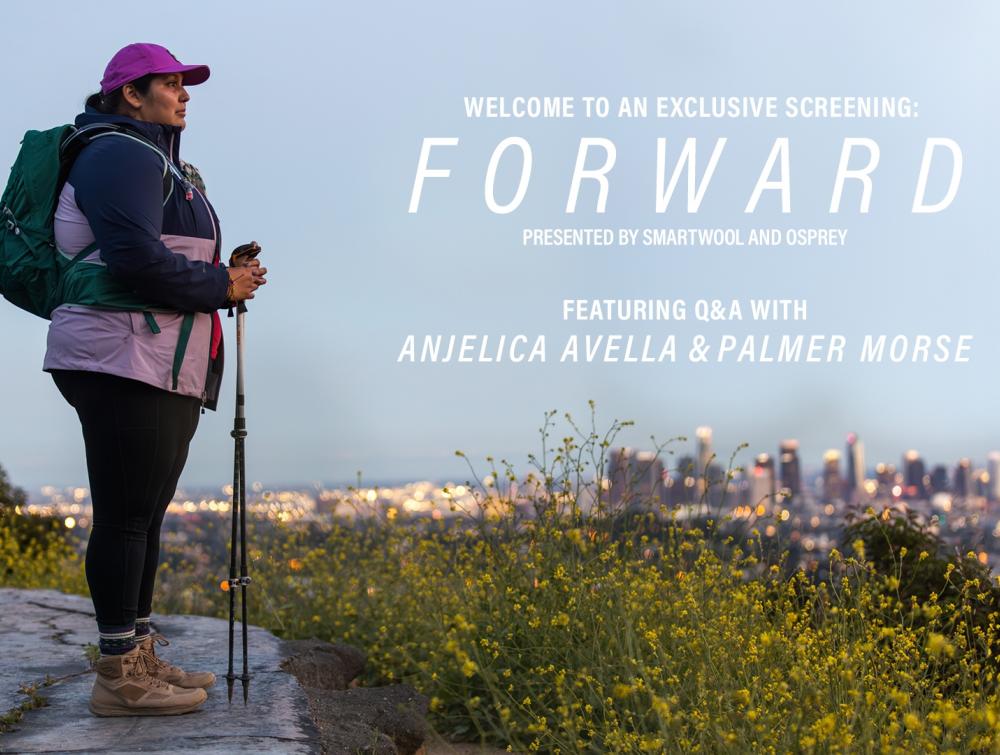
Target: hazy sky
[[308, 135]]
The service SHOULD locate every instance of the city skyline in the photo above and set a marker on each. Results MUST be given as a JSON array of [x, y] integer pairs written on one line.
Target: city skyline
[[808, 522], [700, 452]]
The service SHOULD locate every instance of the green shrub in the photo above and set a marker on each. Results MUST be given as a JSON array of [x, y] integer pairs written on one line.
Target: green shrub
[[547, 628]]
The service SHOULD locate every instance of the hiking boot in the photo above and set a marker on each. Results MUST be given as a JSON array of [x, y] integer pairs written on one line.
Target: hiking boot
[[168, 673], [124, 687]]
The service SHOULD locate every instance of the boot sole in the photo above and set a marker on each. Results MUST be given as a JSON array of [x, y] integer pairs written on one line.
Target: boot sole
[[107, 710], [203, 686]]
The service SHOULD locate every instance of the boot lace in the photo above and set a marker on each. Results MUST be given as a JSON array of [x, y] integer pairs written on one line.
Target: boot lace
[[156, 664], [151, 658], [140, 667]]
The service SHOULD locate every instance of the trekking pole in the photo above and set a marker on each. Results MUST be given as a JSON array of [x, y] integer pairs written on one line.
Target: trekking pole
[[239, 434], [232, 557]]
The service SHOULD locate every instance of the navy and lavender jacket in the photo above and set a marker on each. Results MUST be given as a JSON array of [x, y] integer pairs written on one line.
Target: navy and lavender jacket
[[165, 249]]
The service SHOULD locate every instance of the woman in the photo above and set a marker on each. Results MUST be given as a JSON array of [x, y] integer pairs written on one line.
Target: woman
[[138, 379]]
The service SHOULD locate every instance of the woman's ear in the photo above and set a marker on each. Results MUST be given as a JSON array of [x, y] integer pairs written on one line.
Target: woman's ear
[[131, 95]]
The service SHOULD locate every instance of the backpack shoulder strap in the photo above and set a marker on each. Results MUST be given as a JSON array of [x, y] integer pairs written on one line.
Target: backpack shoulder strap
[[81, 137]]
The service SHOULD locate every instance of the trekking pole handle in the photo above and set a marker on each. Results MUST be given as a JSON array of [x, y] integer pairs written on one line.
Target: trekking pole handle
[[242, 255]]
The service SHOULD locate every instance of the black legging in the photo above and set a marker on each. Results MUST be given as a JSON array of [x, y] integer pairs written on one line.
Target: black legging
[[136, 437]]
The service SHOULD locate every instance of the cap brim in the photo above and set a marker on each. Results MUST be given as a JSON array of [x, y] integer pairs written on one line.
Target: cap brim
[[192, 74]]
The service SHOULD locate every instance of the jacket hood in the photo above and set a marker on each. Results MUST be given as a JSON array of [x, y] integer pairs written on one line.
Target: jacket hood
[[167, 138]]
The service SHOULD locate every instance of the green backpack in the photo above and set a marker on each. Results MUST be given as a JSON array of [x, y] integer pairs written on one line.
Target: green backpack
[[34, 274]]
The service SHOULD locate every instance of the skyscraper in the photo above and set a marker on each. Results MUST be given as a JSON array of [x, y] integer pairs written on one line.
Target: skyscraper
[[939, 479], [704, 436], [963, 479], [885, 475], [762, 482], [993, 470], [791, 473], [684, 489], [636, 477], [855, 481], [833, 483], [913, 476]]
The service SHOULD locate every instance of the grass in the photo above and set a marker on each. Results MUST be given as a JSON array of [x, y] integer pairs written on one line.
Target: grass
[[554, 621], [15, 714]]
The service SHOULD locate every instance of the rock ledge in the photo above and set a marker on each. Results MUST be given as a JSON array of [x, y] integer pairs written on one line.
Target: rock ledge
[[43, 635]]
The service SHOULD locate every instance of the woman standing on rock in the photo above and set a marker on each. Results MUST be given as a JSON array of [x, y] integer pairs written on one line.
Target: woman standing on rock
[[139, 378]]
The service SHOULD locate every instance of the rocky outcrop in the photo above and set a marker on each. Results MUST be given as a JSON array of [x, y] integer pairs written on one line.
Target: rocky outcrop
[[301, 694]]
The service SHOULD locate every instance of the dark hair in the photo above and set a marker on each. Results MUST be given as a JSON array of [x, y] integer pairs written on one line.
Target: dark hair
[[111, 103]]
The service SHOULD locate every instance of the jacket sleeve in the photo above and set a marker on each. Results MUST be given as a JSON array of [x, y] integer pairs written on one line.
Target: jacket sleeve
[[119, 188]]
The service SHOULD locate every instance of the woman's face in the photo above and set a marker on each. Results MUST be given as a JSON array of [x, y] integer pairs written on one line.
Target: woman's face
[[165, 102]]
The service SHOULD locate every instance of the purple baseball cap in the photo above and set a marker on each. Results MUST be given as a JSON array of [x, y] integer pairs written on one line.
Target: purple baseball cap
[[141, 58]]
